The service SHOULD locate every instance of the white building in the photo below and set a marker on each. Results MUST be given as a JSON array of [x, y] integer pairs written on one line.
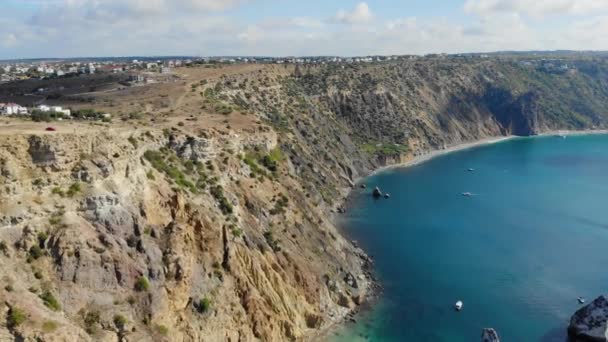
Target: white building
[[56, 109], [12, 109]]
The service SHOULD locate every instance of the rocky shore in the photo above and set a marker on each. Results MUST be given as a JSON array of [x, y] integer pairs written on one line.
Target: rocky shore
[[590, 323], [214, 222]]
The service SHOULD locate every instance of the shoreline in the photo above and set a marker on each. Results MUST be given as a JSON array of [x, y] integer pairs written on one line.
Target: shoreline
[[375, 285], [428, 156], [468, 145]]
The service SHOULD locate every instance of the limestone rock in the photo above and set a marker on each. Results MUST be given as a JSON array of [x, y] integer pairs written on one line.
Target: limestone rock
[[42, 153]]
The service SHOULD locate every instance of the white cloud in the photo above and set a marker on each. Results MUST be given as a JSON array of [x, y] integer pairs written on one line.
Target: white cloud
[[211, 5], [9, 40], [63, 28], [306, 22], [361, 14], [251, 34], [536, 7]]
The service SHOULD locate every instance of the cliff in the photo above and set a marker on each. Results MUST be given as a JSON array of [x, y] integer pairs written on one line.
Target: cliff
[[209, 219]]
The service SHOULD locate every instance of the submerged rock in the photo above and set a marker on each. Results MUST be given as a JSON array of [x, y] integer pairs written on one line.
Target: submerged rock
[[377, 193], [589, 322], [489, 335]]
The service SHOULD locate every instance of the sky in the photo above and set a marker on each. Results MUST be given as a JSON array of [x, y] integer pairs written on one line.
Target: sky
[[89, 28]]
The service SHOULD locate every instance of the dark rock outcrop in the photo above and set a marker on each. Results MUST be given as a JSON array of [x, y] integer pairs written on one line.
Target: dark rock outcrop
[[489, 335], [42, 154], [377, 193], [590, 322]]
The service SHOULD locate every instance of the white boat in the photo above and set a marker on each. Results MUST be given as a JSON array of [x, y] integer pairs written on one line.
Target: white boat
[[467, 194], [471, 169], [458, 305], [581, 300]]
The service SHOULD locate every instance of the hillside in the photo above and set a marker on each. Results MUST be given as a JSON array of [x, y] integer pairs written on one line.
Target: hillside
[[208, 215]]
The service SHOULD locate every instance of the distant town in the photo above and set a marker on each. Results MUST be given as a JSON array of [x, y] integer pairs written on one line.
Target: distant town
[[147, 70], [12, 70]]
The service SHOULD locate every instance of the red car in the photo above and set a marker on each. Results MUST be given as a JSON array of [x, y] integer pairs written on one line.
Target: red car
[[50, 129]]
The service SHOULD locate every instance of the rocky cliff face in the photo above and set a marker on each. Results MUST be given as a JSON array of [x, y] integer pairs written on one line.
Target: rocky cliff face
[[200, 232], [167, 237]]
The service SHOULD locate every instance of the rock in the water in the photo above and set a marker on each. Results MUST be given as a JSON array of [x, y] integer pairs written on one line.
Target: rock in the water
[[589, 322], [489, 335], [377, 193]]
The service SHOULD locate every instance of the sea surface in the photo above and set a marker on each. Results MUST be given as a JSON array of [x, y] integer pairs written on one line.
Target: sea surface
[[518, 253]]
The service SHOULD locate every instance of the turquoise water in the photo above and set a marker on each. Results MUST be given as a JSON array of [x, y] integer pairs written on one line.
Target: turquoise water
[[518, 253]]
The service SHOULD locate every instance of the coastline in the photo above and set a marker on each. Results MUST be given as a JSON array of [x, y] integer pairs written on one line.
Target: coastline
[[375, 285], [482, 142], [437, 153]]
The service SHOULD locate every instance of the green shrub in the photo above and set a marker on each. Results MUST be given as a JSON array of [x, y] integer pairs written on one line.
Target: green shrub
[[162, 330], [237, 232], [55, 219], [74, 189], [272, 242], [50, 301], [280, 205], [42, 237], [203, 305], [142, 284], [57, 191], [133, 141], [15, 317], [49, 326], [223, 109], [91, 320], [35, 252], [120, 321], [225, 206]]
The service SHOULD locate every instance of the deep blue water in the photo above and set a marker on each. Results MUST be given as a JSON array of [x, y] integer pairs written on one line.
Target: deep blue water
[[518, 253]]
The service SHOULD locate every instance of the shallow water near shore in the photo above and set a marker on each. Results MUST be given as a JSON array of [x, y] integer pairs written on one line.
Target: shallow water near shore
[[518, 253]]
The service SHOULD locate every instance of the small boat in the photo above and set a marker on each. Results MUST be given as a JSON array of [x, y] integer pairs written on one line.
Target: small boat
[[581, 300], [471, 169], [458, 305], [467, 194], [387, 195]]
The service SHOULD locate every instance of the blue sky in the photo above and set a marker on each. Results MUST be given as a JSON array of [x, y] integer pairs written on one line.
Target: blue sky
[[71, 28]]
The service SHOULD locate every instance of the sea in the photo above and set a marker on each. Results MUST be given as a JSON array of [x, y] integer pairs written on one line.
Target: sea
[[531, 239]]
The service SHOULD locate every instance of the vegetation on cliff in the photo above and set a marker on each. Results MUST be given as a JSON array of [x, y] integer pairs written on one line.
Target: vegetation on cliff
[[218, 227]]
